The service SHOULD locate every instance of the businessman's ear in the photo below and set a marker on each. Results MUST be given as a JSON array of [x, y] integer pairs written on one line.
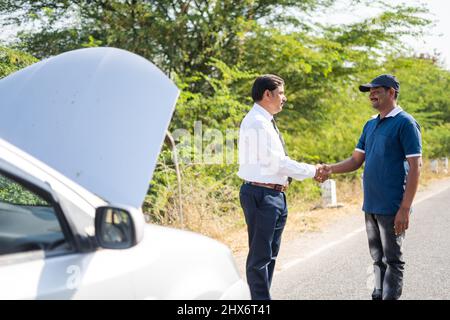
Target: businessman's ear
[[268, 94]]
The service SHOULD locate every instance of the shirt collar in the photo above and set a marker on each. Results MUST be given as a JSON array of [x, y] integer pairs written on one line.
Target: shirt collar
[[263, 112], [392, 114]]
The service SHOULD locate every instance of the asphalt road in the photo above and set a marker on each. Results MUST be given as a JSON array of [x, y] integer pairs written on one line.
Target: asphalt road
[[335, 263]]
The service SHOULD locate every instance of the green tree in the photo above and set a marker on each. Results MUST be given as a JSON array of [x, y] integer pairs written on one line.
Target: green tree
[[179, 36], [13, 60], [214, 50]]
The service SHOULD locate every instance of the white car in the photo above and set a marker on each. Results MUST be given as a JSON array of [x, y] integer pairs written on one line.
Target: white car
[[80, 134]]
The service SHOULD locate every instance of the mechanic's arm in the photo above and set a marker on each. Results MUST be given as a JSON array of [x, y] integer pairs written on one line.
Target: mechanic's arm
[[351, 164], [401, 222]]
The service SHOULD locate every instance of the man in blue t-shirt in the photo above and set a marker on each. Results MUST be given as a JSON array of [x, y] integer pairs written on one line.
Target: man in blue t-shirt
[[390, 145]]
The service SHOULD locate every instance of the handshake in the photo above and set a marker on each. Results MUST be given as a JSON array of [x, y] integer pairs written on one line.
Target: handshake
[[323, 172]]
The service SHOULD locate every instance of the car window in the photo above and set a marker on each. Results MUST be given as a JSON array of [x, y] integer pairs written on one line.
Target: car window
[[28, 222]]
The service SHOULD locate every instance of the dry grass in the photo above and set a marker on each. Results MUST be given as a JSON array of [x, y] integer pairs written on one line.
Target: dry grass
[[215, 212], [427, 176]]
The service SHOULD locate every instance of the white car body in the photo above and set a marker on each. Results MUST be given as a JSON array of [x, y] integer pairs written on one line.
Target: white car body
[[83, 169]]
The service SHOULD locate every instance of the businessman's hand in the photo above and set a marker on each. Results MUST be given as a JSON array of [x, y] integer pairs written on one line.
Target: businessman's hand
[[323, 172]]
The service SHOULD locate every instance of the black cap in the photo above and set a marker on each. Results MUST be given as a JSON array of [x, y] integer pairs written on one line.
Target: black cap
[[385, 80]]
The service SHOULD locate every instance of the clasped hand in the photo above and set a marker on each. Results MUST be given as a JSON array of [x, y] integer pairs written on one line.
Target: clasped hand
[[323, 172]]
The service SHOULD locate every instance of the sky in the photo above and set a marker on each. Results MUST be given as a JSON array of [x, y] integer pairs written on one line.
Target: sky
[[438, 39]]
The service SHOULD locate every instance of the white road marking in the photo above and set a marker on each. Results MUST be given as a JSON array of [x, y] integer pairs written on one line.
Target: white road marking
[[348, 236]]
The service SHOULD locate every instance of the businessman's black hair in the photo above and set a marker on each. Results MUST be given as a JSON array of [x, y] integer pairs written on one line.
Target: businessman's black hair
[[265, 82]]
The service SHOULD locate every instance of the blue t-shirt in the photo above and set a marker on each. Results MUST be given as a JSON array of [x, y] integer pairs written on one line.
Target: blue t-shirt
[[386, 144]]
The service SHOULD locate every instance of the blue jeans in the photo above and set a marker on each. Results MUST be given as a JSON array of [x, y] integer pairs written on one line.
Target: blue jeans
[[265, 213]]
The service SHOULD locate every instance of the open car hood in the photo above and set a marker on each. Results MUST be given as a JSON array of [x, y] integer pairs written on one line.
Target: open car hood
[[97, 115]]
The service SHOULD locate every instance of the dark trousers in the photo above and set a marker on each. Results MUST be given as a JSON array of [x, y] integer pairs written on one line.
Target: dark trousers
[[386, 251], [265, 213]]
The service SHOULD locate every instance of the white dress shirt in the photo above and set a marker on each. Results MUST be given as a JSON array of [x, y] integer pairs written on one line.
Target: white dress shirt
[[261, 154]]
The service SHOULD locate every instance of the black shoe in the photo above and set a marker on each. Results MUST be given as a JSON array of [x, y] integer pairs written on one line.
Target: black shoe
[[377, 294]]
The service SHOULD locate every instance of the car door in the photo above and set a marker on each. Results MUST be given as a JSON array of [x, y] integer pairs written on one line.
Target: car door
[[40, 257]]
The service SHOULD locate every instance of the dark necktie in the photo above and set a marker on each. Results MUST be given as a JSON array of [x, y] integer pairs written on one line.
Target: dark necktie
[[282, 142]]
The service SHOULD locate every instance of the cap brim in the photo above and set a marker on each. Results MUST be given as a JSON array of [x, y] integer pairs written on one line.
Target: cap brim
[[366, 87]]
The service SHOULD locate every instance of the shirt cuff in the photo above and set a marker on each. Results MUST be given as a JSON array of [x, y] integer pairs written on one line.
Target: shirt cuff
[[360, 150], [312, 170]]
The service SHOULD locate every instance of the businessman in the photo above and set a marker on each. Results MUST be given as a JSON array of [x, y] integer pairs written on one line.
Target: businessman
[[266, 169]]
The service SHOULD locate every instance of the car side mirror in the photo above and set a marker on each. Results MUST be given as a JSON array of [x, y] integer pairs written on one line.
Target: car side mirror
[[117, 227]]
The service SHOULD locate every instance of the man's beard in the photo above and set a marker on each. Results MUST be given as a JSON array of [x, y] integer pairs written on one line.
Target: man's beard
[[376, 105]]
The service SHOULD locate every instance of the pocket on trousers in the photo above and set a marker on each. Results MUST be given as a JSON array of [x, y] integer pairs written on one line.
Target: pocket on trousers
[[274, 200]]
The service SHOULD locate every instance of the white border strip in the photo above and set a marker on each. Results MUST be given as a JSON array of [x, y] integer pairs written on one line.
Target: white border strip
[[413, 155]]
